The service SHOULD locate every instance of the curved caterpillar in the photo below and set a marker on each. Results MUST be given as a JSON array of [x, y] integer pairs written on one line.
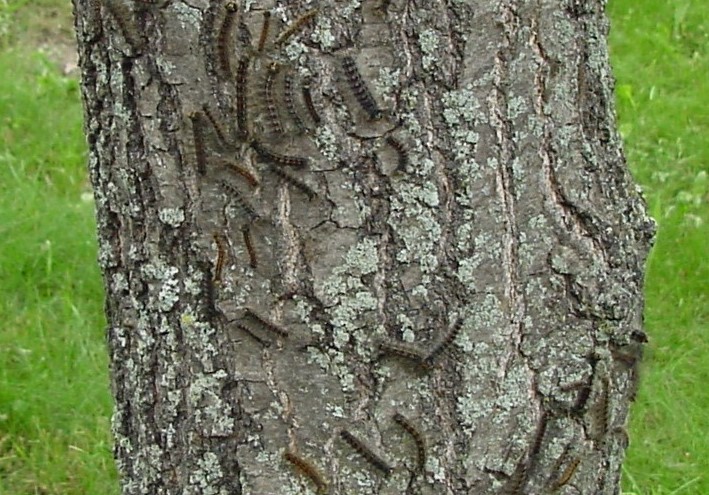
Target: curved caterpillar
[[294, 181], [274, 120], [359, 89], [273, 157], [289, 99], [400, 151], [366, 452], [444, 344], [293, 28], [244, 173], [307, 469], [401, 420]]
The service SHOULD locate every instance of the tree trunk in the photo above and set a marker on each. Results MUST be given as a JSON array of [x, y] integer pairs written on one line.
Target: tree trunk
[[374, 247]]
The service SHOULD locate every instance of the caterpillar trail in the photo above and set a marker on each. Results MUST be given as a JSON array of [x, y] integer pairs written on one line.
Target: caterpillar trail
[[224, 38], [359, 89], [308, 470], [295, 27], [401, 420], [366, 453], [269, 325]]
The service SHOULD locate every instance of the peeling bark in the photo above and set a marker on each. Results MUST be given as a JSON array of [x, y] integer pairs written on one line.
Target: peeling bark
[[371, 247]]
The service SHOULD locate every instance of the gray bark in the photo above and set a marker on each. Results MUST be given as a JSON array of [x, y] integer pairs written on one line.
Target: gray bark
[[447, 296]]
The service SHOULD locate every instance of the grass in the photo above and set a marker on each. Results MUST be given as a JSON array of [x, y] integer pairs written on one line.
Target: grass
[[54, 400]]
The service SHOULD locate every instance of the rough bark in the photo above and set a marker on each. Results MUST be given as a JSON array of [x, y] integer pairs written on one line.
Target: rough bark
[[429, 280]]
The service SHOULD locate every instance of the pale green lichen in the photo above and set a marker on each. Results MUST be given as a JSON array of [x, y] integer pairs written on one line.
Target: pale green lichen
[[207, 475], [429, 43], [171, 216], [322, 33]]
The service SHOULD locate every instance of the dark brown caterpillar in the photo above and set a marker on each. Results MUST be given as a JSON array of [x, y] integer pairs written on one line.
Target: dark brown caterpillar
[[294, 181], [293, 28], [265, 27], [539, 436], [308, 99], [366, 452], [224, 38], [245, 207], [307, 469], [244, 173], [600, 411], [401, 420], [289, 100], [407, 351], [198, 139], [253, 335], [273, 157], [217, 126], [444, 344], [567, 474], [274, 119], [400, 151], [248, 242], [242, 81], [359, 89], [221, 257], [266, 323]]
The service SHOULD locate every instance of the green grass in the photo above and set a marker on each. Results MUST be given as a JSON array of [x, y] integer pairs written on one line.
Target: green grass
[[54, 400]]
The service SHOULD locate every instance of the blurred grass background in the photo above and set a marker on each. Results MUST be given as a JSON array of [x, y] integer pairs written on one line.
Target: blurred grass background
[[54, 400]]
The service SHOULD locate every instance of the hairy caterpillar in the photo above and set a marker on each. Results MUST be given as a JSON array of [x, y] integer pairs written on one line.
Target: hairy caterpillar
[[567, 474], [299, 184], [308, 99], [241, 202], [258, 339], [270, 156], [407, 351], [274, 120], [242, 79], [266, 323], [216, 125], [248, 242], [400, 151], [401, 420], [224, 38], [289, 99], [221, 257], [244, 173], [293, 28], [359, 88], [366, 452], [444, 344], [264, 31], [307, 469]]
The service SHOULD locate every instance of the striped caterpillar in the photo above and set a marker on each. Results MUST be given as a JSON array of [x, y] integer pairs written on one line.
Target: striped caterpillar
[[198, 139], [401, 420], [240, 201], [269, 325], [224, 38], [253, 335], [308, 99], [307, 469], [270, 156], [366, 452], [293, 28], [359, 88], [400, 151], [406, 351], [264, 31], [248, 242], [216, 125], [221, 257], [567, 474], [244, 173], [444, 344]]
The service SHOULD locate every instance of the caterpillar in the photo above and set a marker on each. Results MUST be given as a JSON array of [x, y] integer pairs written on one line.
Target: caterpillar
[[216, 125], [248, 242], [264, 31], [244, 173], [293, 28], [308, 99], [400, 151], [299, 184], [224, 38], [567, 474], [359, 88], [366, 452], [518, 479], [266, 323], [221, 257], [601, 410], [444, 344], [274, 120], [242, 78], [407, 351], [270, 156], [401, 420], [258, 339], [539, 436], [198, 139], [289, 100], [242, 204], [307, 469]]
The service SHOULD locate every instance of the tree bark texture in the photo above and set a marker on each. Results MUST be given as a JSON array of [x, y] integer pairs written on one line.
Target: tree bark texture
[[363, 247]]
